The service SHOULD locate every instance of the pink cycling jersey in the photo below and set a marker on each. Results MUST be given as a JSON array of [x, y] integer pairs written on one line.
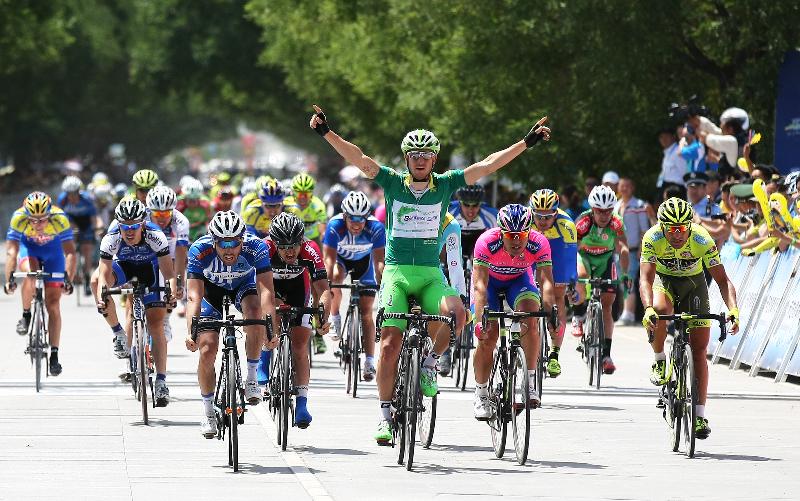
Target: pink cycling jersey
[[489, 252]]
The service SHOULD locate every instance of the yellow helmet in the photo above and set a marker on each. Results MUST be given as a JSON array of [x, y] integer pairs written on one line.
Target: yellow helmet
[[303, 183], [38, 204], [543, 199], [145, 179]]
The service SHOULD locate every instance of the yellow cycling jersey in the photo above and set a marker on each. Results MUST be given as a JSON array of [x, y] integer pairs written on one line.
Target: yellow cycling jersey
[[57, 229], [314, 214], [256, 218], [698, 250], [563, 229]]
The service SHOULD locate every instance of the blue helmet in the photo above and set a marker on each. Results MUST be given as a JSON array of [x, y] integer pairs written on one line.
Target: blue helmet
[[514, 217]]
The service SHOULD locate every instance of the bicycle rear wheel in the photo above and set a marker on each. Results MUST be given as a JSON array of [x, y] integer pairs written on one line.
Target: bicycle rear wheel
[[541, 366], [286, 375], [427, 411], [466, 345], [597, 344], [689, 401], [37, 336], [498, 423], [519, 385], [141, 362], [673, 408], [232, 396], [413, 394]]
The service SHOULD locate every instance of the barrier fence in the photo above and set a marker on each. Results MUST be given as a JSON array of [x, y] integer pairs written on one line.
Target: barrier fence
[[768, 290]]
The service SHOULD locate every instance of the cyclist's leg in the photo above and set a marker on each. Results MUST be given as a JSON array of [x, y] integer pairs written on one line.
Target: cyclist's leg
[[53, 262], [487, 340], [524, 296], [155, 311], [208, 345], [558, 337], [367, 322], [25, 263], [250, 306], [115, 276], [86, 248], [393, 299], [663, 300], [579, 307], [338, 276], [436, 297], [607, 269], [698, 304]]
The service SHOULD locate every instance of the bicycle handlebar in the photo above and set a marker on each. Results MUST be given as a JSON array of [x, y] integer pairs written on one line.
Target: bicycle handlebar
[[415, 315], [719, 317], [37, 274], [552, 315], [201, 324], [598, 282]]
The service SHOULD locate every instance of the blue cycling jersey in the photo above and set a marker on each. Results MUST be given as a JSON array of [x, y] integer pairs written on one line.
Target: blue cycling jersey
[[81, 212], [153, 245], [204, 263], [563, 248], [487, 217], [354, 247]]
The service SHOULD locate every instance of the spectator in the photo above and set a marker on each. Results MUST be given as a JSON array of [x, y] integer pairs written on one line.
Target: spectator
[[731, 138], [673, 167], [713, 186], [704, 206], [673, 191], [692, 150], [570, 201], [591, 182], [611, 179], [638, 217]]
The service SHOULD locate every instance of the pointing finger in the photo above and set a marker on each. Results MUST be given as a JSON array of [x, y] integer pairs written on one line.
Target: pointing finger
[[317, 109]]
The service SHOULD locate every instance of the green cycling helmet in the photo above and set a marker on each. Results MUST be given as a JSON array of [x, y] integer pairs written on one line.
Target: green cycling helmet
[[420, 140], [675, 211], [145, 179], [303, 183]]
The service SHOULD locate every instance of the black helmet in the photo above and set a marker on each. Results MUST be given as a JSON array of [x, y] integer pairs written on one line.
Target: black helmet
[[471, 194], [286, 229]]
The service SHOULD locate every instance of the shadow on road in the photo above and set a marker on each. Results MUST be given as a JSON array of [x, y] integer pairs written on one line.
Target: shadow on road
[[436, 469], [567, 407], [321, 450], [733, 457], [256, 469], [165, 422]]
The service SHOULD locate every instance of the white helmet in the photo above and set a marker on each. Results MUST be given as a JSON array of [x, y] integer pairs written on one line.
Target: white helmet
[[602, 197], [356, 203], [102, 192], [226, 224], [71, 184], [99, 178], [185, 180], [129, 209], [161, 198], [248, 186], [193, 189]]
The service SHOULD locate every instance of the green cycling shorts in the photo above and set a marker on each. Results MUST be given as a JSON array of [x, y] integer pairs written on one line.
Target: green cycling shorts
[[687, 295], [399, 281]]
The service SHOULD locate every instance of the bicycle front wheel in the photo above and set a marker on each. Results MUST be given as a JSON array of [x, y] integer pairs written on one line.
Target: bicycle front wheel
[[519, 384], [466, 345], [427, 411], [141, 362], [286, 396], [413, 395], [673, 409], [232, 396], [689, 401], [37, 345], [498, 423], [541, 367]]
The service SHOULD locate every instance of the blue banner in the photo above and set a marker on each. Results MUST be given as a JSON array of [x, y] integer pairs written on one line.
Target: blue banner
[[787, 114]]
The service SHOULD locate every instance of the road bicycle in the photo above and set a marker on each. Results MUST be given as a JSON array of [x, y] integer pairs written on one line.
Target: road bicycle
[[593, 339], [352, 341]]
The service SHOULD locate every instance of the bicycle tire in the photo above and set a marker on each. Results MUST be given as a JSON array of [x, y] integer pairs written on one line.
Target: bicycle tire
[[232, 395], [498, 424], [672, 406], [541, 366], [519, 385], [426, 423], [689, 410], [466, 345], [412, 405], [142, 369], [588, 350], [355, 351], [286, 396], [274, 385], [401, 390], [599, 338], [457, 362], [37, 321], [347, 352]]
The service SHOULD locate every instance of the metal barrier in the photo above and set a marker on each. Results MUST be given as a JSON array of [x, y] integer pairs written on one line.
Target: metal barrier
[[768, 290]]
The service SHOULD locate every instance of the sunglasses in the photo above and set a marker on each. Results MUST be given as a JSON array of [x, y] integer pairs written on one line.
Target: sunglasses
[[161, 213], [677, 228], [286, 247], [39, 220], [414, 155], [516, 235], [273, 206], [130, 227], [603, 211], [539, 215], [229, 244], [470, 205], [356, 219]]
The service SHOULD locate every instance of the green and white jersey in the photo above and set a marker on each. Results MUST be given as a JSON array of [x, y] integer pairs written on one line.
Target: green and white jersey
[[414, 221]]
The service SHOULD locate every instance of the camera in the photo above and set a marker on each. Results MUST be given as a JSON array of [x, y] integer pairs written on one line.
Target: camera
[[692, 108]]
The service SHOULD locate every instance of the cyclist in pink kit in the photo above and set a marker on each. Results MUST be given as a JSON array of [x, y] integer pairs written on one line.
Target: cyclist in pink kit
[[505, 260]]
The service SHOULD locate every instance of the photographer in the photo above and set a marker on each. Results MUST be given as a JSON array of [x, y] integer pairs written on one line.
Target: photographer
[[730, 140], [673, 167]]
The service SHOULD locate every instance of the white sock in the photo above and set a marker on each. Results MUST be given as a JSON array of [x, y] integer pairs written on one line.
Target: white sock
[[302, 391], [700, 410], [252, 369], [336, 318], [370, 359], [532, 375], [660, 356], [208, 404], [482, 390], [386, 410]]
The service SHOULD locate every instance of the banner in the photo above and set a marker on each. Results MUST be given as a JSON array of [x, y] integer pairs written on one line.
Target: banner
[[787, 114], [785, 331]]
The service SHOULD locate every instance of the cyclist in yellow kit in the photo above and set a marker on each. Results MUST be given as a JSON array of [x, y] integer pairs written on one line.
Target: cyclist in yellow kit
[[674, 253]]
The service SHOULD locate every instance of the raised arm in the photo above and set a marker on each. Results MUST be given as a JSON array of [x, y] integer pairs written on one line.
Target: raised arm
[[501, 158], [349, 151]]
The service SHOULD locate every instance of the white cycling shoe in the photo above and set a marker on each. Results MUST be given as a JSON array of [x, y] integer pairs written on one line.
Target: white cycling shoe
[[208, 426], [252, 393], [482, 408]]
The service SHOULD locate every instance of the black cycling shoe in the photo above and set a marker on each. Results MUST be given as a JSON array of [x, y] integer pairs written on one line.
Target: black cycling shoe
[[55, 367]]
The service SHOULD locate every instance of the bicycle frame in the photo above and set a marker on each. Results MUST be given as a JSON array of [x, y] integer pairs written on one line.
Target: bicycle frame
[[593, 338], [351, 342]]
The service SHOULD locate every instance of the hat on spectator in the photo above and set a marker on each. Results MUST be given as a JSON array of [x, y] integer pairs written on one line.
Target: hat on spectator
[[744, 191], [610, 177], [691, 178], [735, 114], [712, 175]]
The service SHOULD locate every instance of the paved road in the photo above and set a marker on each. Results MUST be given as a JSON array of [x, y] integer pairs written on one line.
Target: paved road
[[82, 437]]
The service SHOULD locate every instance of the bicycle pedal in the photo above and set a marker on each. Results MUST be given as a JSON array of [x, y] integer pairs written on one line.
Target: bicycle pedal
[[660, 404]]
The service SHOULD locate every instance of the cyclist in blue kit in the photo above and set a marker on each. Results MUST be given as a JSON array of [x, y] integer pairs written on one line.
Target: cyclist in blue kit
[[355, 242], [228, 261]]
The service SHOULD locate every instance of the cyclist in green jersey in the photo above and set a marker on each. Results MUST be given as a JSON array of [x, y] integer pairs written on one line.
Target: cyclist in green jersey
[[674, 253], [196, 207], [416, 203], [601, 234]]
